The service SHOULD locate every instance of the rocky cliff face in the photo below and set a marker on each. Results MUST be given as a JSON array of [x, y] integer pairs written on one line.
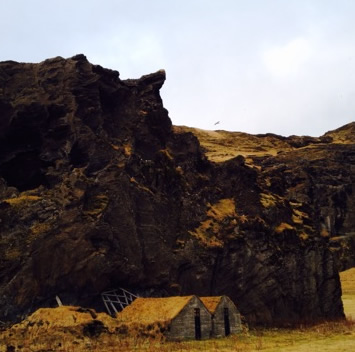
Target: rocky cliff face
[[315, 174], [99, 191]]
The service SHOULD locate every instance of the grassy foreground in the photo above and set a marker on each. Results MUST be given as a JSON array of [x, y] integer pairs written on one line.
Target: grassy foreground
[[338, 337], [61, 330]]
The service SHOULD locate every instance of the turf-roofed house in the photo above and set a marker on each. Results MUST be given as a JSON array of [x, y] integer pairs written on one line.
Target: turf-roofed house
[[225, 317], [182, 317]]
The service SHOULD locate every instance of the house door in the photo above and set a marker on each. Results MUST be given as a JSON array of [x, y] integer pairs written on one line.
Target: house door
[[227, 328], [197, 324]]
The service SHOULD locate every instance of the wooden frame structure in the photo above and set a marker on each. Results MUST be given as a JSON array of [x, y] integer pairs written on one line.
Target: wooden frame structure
[[116, 300]]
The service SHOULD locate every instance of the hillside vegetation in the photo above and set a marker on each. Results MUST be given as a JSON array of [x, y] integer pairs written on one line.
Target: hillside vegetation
[[222, 145]]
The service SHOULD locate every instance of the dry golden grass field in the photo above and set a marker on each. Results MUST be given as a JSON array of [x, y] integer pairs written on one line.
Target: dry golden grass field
[[348, 286], [61, 330]]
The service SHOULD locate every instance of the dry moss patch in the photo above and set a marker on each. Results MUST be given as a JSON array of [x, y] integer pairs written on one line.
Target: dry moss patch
[[141, 186], [39, 228], [221, 219], [96, 205], [299, 216], [222, 209], [22, 200], [12, 254], [283, 227], [269, 200]]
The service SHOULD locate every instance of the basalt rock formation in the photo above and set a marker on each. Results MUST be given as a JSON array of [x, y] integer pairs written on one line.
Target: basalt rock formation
[[98, 191], [316, 175]]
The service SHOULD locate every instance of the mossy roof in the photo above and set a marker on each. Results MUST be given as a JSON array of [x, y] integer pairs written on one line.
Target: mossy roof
[[152, 310], [211, 303], [66, 316]]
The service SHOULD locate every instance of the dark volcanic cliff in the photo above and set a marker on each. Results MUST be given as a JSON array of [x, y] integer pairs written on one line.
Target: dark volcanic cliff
[[98, 191]]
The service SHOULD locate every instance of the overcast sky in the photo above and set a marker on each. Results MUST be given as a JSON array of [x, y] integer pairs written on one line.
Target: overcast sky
[[257, 66]]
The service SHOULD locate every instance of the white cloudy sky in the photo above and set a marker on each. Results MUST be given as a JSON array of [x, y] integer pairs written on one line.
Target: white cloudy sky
[[281, 66]]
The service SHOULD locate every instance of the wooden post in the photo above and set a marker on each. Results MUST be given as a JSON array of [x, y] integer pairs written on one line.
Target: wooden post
[[60, 304]]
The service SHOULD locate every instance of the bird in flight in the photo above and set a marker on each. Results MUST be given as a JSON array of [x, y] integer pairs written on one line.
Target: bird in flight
[[217, 123]]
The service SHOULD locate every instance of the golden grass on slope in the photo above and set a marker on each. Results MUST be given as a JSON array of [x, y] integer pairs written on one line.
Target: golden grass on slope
[[270, 200], [347, 278], [223, 145], [210, 233], [299, 216], [38, 228], [21, 200], [348, 287], [344, 134], [283, 227], [222, 209]]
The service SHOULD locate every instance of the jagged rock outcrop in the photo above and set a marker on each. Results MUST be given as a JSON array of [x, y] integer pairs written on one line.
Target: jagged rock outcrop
[[316, 176], [98, 190]]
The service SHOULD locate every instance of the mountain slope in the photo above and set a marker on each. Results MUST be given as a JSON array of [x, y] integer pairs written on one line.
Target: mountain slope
[[98, 191], [317, 174]]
